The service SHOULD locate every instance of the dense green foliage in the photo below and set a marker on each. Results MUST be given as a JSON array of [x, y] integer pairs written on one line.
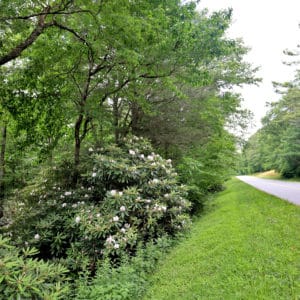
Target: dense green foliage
[[230, 256], [129, 280], [79, 79], [24, 277], [277, 145], [125, 196]]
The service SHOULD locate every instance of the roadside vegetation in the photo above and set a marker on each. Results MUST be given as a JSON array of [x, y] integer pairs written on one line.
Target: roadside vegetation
[[117, 119], [276, 146], [246, 246], [114, 120], [272, 174]]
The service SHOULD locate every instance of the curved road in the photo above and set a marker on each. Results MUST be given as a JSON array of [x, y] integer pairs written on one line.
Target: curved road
[[289, 191]]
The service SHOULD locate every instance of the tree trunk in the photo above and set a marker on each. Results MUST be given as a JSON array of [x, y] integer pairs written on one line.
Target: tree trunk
[[135, 118], [77, 147], [2, 166], [116, 120]]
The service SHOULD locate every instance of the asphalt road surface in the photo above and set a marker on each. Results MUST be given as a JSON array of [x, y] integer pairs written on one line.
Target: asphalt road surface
[[289, 191]]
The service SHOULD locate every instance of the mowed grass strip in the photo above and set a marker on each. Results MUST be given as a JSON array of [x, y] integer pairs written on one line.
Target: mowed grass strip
[[246, 246]]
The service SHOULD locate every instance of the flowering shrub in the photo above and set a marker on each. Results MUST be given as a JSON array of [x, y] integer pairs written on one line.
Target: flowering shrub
[[125, 195]]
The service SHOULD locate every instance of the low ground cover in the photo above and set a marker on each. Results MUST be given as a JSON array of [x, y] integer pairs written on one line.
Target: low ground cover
[[246, 246]]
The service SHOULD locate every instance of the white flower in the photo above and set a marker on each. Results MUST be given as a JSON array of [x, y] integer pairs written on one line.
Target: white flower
[[122, 208], [82, 202], [116, 246], [115, 218], [127, 225], [68, 193], [120, 193], [62, 196], [142, 156], [131, 152], [113, 192], [91, 149], [110, 240], [77, 219], [166, 195], [86, 196], [89, 189], [98, 215], [164, 208], [150, 157], [148, 200], [64, 205], [123, 230], [94, 174], [37, 237], [155, 180], [74, 205], [169, 161]]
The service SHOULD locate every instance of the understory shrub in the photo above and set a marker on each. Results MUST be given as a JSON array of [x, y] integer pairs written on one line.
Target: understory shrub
[[25, 277], [128, 281], [124, 196]]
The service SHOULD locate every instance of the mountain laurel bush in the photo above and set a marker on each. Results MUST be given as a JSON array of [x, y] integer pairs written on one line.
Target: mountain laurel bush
[[125, 195]]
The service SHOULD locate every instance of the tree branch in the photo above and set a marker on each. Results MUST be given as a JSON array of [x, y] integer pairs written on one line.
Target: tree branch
[[63, 27], [40, 27], [58, 12]]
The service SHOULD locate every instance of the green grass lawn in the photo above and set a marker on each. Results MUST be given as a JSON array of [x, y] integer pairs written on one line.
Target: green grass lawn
[[246, 246]]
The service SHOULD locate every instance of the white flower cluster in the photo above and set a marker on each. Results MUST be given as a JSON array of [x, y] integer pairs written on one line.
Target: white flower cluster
[[74, 205], [115, 193], [111, 241], [132, 152], [115, 218], [154, 181], [136, 138], [159, 208], [150, 157]]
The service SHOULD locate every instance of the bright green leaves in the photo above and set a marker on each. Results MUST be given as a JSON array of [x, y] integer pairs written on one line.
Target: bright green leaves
[[23, 277]]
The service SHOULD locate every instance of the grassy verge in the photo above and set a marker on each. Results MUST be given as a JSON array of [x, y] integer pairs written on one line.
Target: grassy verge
[[274, 175], [247, 246]]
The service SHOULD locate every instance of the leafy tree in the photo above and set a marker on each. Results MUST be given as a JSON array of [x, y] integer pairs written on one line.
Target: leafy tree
[[276, 145]]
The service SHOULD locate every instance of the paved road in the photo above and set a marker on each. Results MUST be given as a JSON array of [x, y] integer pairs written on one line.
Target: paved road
[[285, 190]]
